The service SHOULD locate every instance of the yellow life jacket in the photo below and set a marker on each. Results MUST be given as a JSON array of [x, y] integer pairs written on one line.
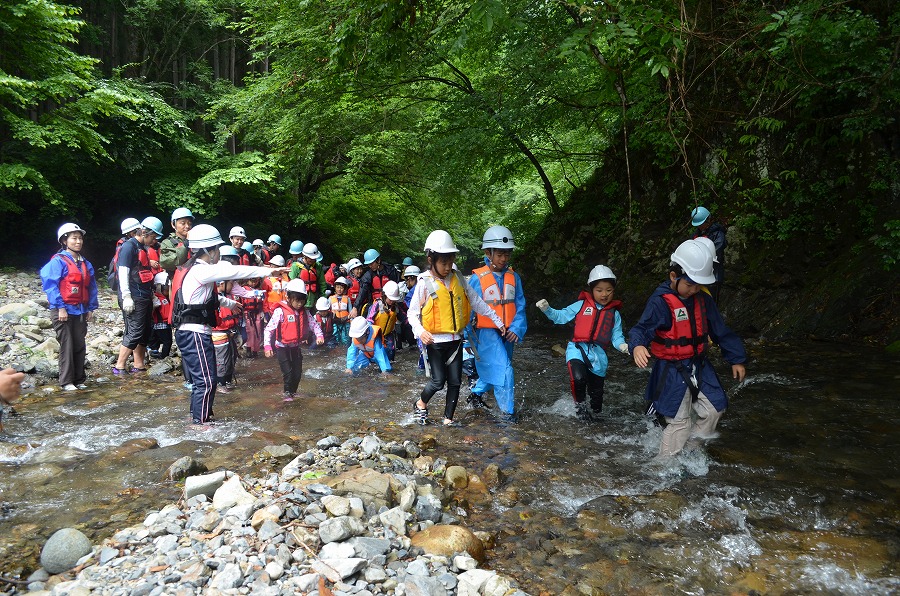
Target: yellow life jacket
[[386, 319], [447, 310]]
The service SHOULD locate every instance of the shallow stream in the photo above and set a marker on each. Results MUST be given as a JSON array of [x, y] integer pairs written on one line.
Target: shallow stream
[[799, 495]]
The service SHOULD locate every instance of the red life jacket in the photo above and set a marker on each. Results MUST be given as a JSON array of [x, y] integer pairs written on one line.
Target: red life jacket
[[353, 290], [594, 325], [292, 329], [74, 286], [501, 300], [162, 313], [326, 323], [330, 275], [310, 277], [153, 255], [368, 348], [688, 333], [144, 272], [378, 282], [226, 318], [203, 314], [252, 304]]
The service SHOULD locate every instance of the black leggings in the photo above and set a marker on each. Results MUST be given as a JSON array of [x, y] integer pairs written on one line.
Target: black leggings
[[443, 371], [583, 380], [291, 362]]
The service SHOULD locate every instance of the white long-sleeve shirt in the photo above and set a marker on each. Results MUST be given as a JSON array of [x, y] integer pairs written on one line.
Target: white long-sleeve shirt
[[199, 283], [421, 296]]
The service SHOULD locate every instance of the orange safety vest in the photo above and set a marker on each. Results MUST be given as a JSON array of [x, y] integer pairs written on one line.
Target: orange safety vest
[[688, 334], [277, 293], [503, 302], [368, 348]]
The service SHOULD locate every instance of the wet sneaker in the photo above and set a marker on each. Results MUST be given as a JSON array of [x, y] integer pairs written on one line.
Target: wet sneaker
[[475, 401], [118, 371], [69, 387], [188, 386], [81, 386], [584, 412], [421, 415], [287, 396], [509, 418], [223, 389]]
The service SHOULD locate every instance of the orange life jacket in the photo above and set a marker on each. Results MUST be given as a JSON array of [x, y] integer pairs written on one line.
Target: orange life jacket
[[74, 286], [688, 334], [340, 306], [368, 348], [276, 293], [292, 329], [594, 325], [502, 301]]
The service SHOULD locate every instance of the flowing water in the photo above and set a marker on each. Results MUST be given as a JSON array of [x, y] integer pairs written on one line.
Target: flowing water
[[798, 496]]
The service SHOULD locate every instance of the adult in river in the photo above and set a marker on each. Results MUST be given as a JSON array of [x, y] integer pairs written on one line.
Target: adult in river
[[71, 289], [135, 276], [708, 228], [373, 280], [194, 312], [173, 251], [501, 289]]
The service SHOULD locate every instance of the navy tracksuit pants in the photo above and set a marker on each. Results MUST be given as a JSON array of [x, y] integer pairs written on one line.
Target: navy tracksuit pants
[[199, 358]]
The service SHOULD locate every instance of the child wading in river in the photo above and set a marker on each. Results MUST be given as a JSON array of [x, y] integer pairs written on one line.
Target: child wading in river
[[286, 330], [598, 325], [439, 311], [676, 326]]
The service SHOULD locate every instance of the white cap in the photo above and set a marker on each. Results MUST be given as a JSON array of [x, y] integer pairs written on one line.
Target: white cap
[[358, 327], [161, 278], [296, 285], [311, 250], [392, 290], [237, 231], [323, 304], [277, 260], [204, 236]]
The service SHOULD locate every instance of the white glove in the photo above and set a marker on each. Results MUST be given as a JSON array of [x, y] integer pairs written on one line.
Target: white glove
[[127, 305], [623, 348], [542, 304]]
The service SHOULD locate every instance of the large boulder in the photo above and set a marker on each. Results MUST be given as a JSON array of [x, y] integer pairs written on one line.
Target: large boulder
[[62, 551], [448, 540]]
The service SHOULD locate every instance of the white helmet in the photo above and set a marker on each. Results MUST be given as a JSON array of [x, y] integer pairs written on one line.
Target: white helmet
[[237, 231], [358, 327], [296, 285], [411, 271], [601, 272], [258, 242], [353, 264], [497, 237], [204, 236], [710, 246], [391, 290], [323, 304], [440, 241], [181, 213], [161, 278], [311, 250], [67, 228], [130, 224], [277, 260], [343, 281], [696, 262]]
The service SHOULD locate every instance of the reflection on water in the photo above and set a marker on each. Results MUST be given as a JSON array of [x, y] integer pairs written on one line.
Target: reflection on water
[[799, 494]]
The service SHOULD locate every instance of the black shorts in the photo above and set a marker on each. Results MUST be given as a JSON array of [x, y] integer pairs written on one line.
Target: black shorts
[[138, 324]]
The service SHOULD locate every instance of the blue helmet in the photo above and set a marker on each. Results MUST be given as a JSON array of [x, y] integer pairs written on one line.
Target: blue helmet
[[275, 238], [296, 247], [180, 213], [153, 223], [247, 247], [370, 256], [407, 261], [228, 251], [699, 215]]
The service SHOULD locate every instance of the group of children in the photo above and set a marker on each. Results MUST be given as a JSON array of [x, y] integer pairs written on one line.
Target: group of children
[[247, 296]]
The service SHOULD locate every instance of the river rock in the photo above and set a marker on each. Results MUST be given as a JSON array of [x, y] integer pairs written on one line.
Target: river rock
[[338, 569], [232, 493], [207, 484], [366, 483], [62, 551], [184, 467], [49, 346], [337, 529], [457, 477], [449, 540], [16, 311], [160, 368]]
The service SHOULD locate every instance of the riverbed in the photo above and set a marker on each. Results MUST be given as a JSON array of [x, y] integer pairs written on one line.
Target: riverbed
[[798, 495]]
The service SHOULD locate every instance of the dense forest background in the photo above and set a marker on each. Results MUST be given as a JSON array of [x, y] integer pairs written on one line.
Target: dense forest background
[[589, 128]]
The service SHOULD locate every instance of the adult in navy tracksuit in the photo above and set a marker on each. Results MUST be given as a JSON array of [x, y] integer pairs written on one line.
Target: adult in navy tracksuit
[[675, 328], [194, 312], [71, 289]]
